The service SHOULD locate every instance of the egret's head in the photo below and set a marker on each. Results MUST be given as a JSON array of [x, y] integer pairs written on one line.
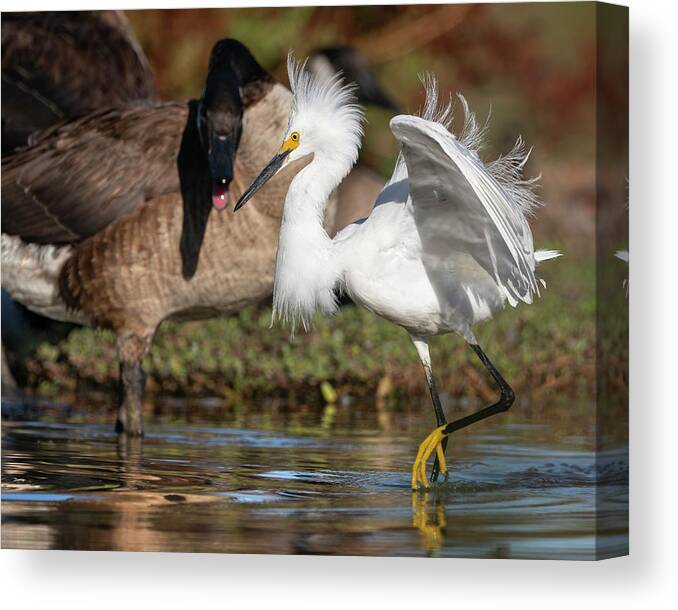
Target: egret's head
[[324, 121]]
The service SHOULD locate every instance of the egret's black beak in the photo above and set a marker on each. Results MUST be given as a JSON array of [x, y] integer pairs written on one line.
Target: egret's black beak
[[220, 156], [266, 174]]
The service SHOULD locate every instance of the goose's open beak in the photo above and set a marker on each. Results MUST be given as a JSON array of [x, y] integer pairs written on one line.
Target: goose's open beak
[[266, 174], [220, 155]]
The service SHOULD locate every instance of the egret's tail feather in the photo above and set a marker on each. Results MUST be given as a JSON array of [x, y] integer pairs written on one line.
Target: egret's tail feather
[[544, 255], [622, 255]]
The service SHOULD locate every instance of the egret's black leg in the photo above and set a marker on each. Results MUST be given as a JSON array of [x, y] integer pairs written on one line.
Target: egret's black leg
[[503, 404], [440, 418]]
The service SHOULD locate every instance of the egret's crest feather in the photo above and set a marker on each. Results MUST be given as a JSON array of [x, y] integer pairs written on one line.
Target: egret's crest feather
[[331, 97]]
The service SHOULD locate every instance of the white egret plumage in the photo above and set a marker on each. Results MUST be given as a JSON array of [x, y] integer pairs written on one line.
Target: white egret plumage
[[446, 245]]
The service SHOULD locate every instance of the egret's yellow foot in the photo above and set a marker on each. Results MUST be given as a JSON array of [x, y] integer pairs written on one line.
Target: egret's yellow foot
[[431, 443]]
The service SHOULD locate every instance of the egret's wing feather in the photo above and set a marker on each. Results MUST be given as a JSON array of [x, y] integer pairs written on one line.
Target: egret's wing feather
[[459, 206]]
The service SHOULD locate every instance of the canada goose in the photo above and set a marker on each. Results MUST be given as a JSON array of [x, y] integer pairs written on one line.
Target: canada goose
[[132, 274], [58, 65]]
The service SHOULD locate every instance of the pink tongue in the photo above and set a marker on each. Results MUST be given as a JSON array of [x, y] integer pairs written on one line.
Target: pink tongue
[[219, 197]]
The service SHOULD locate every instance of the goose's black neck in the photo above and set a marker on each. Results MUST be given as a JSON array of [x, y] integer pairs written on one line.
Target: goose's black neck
[[234, 77], [206, 160]]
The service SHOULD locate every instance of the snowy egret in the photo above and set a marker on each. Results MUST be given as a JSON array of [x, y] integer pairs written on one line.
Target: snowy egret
[[446, 245]]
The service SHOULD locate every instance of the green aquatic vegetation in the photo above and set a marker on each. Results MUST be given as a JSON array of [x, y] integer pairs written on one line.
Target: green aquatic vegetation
[[550, 346]]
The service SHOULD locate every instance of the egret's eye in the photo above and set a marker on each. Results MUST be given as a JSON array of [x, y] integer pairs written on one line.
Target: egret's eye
[[291, 143]]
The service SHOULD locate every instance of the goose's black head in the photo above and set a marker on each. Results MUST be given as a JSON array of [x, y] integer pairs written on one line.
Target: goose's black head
[[211, 138], [234, 81]]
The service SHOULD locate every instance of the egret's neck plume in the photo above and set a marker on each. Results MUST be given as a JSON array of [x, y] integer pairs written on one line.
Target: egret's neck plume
[[329, 124]]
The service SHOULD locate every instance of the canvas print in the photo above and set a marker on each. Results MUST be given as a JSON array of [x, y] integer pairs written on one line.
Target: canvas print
[[317, 280]]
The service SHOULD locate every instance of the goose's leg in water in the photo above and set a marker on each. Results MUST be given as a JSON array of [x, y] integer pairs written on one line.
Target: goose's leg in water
[[131, 349]]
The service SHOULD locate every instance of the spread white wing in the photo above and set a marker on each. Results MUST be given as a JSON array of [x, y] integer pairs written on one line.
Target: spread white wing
[[463, 207]]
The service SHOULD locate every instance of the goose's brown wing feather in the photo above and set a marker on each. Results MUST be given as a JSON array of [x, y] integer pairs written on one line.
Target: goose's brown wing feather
[[80, 175], [65, 64], [23, 109]]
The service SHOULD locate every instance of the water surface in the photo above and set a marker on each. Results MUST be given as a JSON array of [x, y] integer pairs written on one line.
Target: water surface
[[329, 480]]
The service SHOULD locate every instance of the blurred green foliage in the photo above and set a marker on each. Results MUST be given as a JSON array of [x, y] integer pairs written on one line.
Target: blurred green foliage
[[533, 65]]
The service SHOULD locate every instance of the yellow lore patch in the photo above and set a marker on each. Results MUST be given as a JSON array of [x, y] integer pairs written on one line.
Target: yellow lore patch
[[291, 143]]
